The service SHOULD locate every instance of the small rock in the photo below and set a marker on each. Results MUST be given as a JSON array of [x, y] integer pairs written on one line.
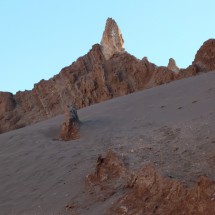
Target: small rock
[[71, 126]]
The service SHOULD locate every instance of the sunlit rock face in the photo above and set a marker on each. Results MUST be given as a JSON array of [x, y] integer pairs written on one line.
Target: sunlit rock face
[[112, 41]]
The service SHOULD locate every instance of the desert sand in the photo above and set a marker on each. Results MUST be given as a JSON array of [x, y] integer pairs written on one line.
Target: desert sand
[[171, 127]]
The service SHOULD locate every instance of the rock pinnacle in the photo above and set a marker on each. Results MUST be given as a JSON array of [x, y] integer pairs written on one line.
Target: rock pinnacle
[[112, 41], [172, 65]]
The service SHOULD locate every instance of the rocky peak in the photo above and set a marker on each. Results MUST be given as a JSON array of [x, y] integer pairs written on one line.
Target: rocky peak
[[112, 41], [172, 65], [205, 57]]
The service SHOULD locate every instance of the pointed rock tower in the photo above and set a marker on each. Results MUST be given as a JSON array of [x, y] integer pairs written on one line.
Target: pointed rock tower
[[112, 41], [172, 65]]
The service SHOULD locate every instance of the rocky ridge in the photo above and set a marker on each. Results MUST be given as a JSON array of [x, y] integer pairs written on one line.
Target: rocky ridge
[[106, 71]]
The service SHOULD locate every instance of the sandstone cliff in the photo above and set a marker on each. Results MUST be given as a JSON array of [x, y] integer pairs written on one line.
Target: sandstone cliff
[[106, 71]]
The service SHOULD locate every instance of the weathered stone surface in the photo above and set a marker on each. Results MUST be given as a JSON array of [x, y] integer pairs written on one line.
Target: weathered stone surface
[[151, 193], [172, 65], [160, 75], [146, 191], [205, 57], [112, 41], [8, 114], [7, 102], [91, 79], [110, 174], [107, 168], [188, 72], [71, 126]]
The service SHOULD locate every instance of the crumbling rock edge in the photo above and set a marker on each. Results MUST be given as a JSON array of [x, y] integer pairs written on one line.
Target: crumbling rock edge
[[146, 191]]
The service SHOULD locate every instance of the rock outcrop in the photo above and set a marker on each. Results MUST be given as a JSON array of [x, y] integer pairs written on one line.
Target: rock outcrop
[[205, 57], [106, 71], [71, 126], [151, 193], [145, 191], [172, 65], [7, 103], [112, 41], [107, 168], [8, 112], [89, 80], [109, 176]]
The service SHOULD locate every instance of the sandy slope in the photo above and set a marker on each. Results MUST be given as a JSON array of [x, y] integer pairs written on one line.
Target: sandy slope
[[171, 126]]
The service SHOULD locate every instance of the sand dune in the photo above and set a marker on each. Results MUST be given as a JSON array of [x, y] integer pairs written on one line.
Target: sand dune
[[171, 126]]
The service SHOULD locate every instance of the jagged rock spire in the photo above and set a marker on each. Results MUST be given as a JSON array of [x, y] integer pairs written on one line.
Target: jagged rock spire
[[172, 65], [112, 41]]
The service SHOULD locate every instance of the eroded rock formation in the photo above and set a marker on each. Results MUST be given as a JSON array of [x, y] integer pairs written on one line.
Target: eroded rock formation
[[146, 191], [108, 177], [107, 168], [205, 57], [8, 112], [151, 193], [106, 71], [112, 41], [71, 126], [172, 65]]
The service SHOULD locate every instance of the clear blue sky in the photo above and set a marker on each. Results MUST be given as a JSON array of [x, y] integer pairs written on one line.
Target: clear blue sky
[[39, 37]]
